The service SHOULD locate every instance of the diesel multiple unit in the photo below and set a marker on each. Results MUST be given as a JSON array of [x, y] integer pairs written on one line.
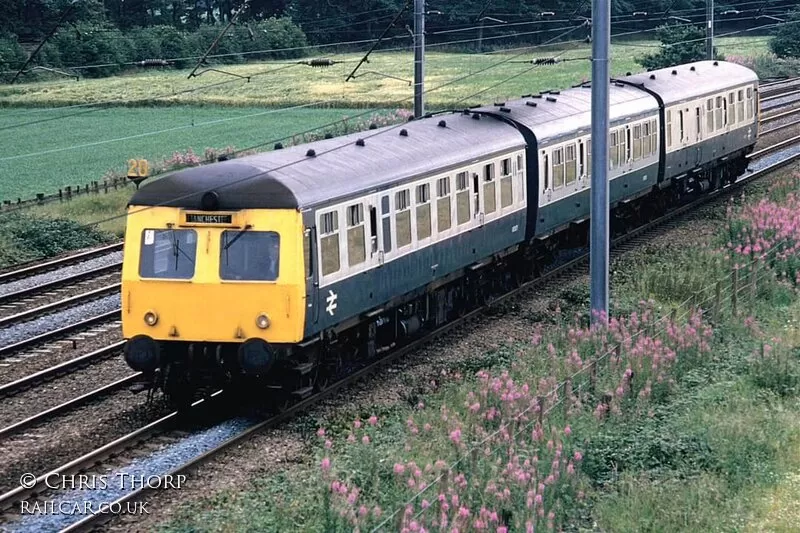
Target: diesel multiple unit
[[286, 268]]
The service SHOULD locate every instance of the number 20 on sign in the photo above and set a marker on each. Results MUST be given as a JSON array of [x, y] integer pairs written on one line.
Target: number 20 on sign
[[138, 170]]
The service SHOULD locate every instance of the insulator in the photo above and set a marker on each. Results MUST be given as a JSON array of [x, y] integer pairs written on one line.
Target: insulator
[[323, 62], [545, 61], [154, 63]]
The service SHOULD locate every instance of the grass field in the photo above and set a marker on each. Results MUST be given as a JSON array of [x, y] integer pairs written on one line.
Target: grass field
[[301, 84], [79, 149]]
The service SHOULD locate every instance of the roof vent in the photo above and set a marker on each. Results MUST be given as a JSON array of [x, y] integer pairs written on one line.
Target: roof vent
[[505, 110], [223, 157], [716, 63], [499, 104], [551, 99], [674, 72], [360, 142], [311, 153], [278, 146], [476, 116], [692, 68], [652, 76], [373, 126], [404, 133], [536, 96], [627, 73], [329, 135], [465, 112], [555, 92], [531, 104], [442, 124], [618, 84], [526, 96]]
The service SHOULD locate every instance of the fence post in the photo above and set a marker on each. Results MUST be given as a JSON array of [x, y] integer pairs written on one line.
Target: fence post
[[68, 191], [593, 375], [735, 290], [568, 394], [717, 300], [754, 282]]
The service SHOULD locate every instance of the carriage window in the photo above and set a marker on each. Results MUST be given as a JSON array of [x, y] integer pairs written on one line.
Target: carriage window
[[546, 160], [506, 191], [571, 165], [653, 136], [669, 129], [613, 152], [647, 141], [490, 193], [249, 255], [443, 221], [462, 198], [520, 164], [168, 253], [710, 115], [680, 124], [731, 109], [628, 143], [505, 167], [488, 172], [329, 239], [740, 104], [589, 157], [423, 211], [402, 217], [356, 249], [558, 168], [386, 221], [637, 142], [750, 103], [698, 122]]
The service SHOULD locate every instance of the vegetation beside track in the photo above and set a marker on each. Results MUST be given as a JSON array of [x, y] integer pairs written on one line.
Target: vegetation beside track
[[706, 440]]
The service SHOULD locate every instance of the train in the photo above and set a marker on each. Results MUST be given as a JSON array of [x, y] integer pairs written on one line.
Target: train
[[280, 271]]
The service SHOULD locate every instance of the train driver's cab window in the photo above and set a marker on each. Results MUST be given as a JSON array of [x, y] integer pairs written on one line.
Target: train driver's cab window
[[168, 253], [329, 243], [249, 255]]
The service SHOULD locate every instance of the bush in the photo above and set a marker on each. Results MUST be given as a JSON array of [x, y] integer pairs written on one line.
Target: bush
[[12, 56], [89, 44], [26, 238], [786, 42], [769, 65], [679, 44]]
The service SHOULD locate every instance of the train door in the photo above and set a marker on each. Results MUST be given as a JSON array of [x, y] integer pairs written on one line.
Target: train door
[[312, 281], [385, 230], [376, 219]]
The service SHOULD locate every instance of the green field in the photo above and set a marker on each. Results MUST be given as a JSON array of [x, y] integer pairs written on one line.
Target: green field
[[81, 144], [77, 150]]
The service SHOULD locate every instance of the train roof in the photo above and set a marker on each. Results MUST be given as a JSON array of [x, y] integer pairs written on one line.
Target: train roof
[[552, 115], [693, 80], [342, 167]]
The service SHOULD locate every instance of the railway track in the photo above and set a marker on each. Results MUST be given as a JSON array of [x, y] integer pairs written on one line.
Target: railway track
[[166, 431], [55, 264]]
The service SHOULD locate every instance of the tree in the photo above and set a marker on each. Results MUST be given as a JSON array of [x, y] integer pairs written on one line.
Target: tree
[[786, 42], [680, 44]]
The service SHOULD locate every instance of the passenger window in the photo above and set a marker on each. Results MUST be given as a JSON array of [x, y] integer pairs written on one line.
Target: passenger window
[[680, 124], [698, 123], [613, 152], [637, 142], [505, 167], [443, 219], [558, 168], [520, 165], [718, 114], [571, 165], [731, 110], [710, 116], [462, 198], [628, 144], [423, 211], [750, 103], [589, 157], [329, 238], [489, 190], [740, 105], [402, 217], [506, 191], [669, 129], [356, 247]]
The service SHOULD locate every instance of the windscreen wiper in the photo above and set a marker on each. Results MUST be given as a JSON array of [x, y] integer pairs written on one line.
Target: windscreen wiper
[[236, 237]]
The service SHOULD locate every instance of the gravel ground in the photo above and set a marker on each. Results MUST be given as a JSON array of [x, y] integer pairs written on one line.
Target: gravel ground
[[60, 390], [62, 273], [59, 319], [51, 296], [57, 353], [46, 446], [401, 383]]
